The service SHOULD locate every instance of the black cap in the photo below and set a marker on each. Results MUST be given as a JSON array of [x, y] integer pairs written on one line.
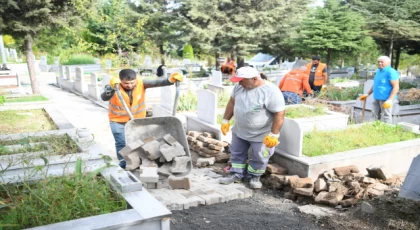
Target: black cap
[[316, 58]]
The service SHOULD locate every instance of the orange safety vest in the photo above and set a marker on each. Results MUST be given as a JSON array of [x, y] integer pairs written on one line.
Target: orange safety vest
[[295, 81], [116, 111], [319, 78]]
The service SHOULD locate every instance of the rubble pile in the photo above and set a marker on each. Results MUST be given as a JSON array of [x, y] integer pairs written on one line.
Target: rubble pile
[[164, 157], [210, 149], [342, 186]]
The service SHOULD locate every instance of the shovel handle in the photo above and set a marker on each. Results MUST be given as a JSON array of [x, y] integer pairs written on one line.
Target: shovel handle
[[176, 97], [363, 110], [123, 102]]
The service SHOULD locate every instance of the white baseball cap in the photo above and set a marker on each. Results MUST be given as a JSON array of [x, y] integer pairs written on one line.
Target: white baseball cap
[[244, 72]]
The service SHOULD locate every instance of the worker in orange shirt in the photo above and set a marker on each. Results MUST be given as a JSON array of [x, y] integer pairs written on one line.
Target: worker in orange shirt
[[294, 83], [318, 75], [229, 66]]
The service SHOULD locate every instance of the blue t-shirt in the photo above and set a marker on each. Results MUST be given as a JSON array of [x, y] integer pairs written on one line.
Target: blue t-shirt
[[382, 83]]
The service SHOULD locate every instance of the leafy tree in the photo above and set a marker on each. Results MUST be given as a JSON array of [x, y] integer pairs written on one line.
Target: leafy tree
[[9, 41], [334, 28], [114, 26], [26, 18], [188, 52]]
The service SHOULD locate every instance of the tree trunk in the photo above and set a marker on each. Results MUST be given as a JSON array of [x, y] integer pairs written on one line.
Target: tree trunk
[[342, 62], [328, 59], [240, 61], [30, 60], [217, 55], [391, 46], [162, 54], [397, 57], [280, 62]]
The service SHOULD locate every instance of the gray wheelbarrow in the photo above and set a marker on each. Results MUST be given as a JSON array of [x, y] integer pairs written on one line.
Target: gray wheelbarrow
[[142, 128]]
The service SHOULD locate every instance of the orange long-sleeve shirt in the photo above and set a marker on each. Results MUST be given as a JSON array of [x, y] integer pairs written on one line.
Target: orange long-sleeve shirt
[[295, 81]]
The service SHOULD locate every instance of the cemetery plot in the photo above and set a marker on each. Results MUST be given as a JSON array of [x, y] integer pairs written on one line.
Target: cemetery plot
[[22, 121]]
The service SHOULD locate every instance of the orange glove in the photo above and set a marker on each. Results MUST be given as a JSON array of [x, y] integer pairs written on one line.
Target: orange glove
[[387, 104], [175, 77], [225, 126], [271, 140], [363, 97], [113, 81]]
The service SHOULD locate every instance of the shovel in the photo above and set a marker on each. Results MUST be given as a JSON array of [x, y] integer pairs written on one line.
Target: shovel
[[363, 110]]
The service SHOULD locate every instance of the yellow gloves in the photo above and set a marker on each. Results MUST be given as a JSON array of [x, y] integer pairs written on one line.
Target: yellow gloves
[[113, 81], [363, 97], [271, 140], [175, 77], [225, 126], [387, 104]]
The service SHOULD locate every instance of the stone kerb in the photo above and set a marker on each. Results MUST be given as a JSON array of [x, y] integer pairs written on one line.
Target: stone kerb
[[79, 84], [93, 88], [411, 186]]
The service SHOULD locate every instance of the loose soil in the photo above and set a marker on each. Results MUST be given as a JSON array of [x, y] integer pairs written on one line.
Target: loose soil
[[268, 210], [24, 121]]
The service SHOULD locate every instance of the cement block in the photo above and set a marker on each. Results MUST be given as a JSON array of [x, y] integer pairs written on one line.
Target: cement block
[[131, 147], [179, 164], [126, 182], [194, 201], [215, 147], [212, 198], [180, 183], [164, 170], [133, 160], [320, 185], [151, 149], [304, 191], [276, 169], [203, 162], [170, 139], [195, 124], [149, 175]]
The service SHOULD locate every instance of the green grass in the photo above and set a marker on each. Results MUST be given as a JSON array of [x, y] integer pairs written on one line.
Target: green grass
[[304, 112], [54, 200], [27, 99], [79, 59], [372, 134], [338, 80], [332, 93], [222, 99], [22, 121], [407, 85], [188, 102], [60, 145]]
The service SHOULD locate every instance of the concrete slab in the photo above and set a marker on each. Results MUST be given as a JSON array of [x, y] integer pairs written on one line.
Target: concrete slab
[[411, 186]]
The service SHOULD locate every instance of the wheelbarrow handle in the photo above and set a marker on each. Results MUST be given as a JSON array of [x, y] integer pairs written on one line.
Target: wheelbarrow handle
[[123, 102], [176, 98]]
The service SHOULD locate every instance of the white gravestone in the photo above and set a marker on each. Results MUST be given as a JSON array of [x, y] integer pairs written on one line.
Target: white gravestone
[[6, 50], [147, 61], [79, 74], [61, 70], [93, 88], [216, 78], [68, 73], [291, 138], [411, 186], [14, 54], [207, 106], [108, 63], [43, 60], [79, 84], [167, 97], [93, 79]]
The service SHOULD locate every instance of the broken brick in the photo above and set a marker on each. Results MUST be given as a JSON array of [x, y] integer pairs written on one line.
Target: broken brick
[[301, 182], [180, 182], [164, 170], [131, 147], [222, 157], [379, 173], [320, 185], [169, 139], [374, 192], [368, 180], [179, 164], [199, 144], [194, 134], [276, 169], [287, 179], [206, 134], [330, 198], [304, 191], [210, 151], [169, 152], [201, 138], [190, 138], [349, 202], [215, 147], [202, 162], [132, 160], [342, 171]]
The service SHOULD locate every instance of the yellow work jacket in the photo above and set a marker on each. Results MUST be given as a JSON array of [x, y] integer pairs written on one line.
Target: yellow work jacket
[[116, 111]]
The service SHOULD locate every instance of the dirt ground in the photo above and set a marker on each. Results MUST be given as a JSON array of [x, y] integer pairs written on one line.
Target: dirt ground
[[267, 209]]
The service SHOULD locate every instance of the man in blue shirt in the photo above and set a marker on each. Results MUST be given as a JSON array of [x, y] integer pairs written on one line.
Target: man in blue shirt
[[385, 88]]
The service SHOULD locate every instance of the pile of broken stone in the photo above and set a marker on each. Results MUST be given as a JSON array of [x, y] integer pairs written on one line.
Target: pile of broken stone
[[163, 156], [342, 186], [210, 149]]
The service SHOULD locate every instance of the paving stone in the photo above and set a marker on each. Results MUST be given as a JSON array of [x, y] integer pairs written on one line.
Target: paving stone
[[330, 176], [199, 144], [149, 175], [281, 179], [379, 173], [132, 160], [192, 139], [276, 169], [131, 147], [179, 164], [149, 139], [349, 202], [180, 182], [337, 187], [193, 133], [193, 201], [290, 196], [201, 138], [330, 198], [212, 198], [207, 134], [203, 162], [368, 180], [151, 149], [162, 159], [320, 185], [301, 182], [304, 191], [215, 147], [287, 179], [342, 171], [170, 152], [222, 157], [216, 142], [208, 151], [164, 170], [247, 192], [230, 193], [170, 140]]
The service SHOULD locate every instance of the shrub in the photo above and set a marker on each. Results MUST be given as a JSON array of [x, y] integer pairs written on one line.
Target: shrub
[[187, 102], [332, 93], [303, 111], [188, 52], [80, 59], [407, 85]]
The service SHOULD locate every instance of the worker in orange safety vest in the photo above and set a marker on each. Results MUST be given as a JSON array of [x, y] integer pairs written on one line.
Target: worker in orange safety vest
[[229, 66], [318, 75], [294, 83]]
